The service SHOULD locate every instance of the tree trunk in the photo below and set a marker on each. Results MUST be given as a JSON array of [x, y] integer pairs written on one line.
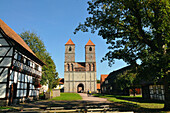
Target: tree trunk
[[167, 92]]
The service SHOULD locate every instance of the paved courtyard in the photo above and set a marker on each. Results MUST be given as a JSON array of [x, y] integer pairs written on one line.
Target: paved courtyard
[[92, 99], [87, 104]]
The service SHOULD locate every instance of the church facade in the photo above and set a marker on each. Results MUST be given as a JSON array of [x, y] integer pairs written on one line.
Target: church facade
[[80, 76]]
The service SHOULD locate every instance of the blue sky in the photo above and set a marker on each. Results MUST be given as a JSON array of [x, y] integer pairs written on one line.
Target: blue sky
[[54, 21]]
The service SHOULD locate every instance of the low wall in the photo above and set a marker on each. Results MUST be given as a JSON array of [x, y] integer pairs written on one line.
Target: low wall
[[56, 93], [52, 94]]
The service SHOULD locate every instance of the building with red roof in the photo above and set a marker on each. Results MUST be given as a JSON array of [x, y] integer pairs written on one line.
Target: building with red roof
[[60, 86], [20, 68]]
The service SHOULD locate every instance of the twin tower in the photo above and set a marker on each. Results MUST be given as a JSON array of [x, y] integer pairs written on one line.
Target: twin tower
[[80, 76]]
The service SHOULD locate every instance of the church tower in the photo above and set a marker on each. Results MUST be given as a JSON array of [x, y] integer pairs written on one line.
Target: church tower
[[69, 55], [90, 57]]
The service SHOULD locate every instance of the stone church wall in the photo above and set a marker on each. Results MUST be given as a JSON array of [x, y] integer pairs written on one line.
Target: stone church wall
[[80, 76], [73, 79]]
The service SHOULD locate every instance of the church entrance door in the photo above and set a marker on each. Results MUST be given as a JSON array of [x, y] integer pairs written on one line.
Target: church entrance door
[[80, 88]]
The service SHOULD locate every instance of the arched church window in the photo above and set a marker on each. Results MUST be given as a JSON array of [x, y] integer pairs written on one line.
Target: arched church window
[[68, 67], [93, 67], [71, 67], [90, 49], [89, 67], [70, 48]]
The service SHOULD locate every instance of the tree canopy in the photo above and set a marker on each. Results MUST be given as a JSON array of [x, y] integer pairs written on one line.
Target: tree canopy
[[49, 74], [135, 30]]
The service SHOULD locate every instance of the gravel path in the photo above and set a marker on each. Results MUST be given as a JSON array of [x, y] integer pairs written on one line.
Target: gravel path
[[93, 99]]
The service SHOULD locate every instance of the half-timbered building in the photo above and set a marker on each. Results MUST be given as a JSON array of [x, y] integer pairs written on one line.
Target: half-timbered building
[[20, 69]]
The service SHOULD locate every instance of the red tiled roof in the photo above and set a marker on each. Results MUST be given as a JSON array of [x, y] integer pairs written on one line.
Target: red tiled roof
[[103, 77], [14, 36], [70, 42], [61, 83], [98, 85], [90, 43], [80, 65], [61, 80]]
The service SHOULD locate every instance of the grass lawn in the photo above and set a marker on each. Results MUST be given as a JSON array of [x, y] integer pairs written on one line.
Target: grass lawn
[[134, 102], [4, 107], [68, 97]]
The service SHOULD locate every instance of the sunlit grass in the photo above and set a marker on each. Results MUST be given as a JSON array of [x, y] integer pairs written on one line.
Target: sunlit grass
[[134, 100], [68, 97], [4, 107]]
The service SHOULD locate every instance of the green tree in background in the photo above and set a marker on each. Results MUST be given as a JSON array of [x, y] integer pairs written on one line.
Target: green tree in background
[[49, 74], [127, 80], [136, 30]]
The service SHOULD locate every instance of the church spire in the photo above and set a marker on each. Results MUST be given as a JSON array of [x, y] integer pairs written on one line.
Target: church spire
[[70, 42], [90, 43]]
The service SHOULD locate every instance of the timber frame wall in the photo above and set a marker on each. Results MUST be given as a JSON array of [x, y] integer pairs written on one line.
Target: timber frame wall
[[19, 72]]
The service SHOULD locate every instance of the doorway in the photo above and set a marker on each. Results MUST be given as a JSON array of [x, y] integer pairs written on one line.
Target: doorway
[[13, 92], [80, 88]]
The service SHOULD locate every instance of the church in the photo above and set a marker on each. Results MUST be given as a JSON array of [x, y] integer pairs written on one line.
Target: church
[[80, 76]]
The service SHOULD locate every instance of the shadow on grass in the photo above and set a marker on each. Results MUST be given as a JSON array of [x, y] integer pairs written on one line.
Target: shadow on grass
[[137, 104], [130, 98], [123, 106]]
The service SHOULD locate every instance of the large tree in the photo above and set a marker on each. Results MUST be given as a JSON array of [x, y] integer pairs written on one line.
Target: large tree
[[49, 74], [136, 30]]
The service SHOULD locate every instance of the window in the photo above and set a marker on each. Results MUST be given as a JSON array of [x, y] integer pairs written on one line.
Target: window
[[70, 49], [89, 67], [93, 67], [27, 62], [19, 57], [106, 82], [36, 67], [68, 67], [72, 66], [24, 60], [90, 49]]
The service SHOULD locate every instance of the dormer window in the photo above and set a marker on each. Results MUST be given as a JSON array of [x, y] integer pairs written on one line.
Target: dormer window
[[69, 48], [90, 49]]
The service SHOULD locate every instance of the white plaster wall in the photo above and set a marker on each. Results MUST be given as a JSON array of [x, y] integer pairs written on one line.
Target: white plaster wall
[[3, 42], [6, 62], [2, 90], [16, 55], [3, 76], [10, 52], [60, 86], [3, 50], [15, 78], [44, 87]]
